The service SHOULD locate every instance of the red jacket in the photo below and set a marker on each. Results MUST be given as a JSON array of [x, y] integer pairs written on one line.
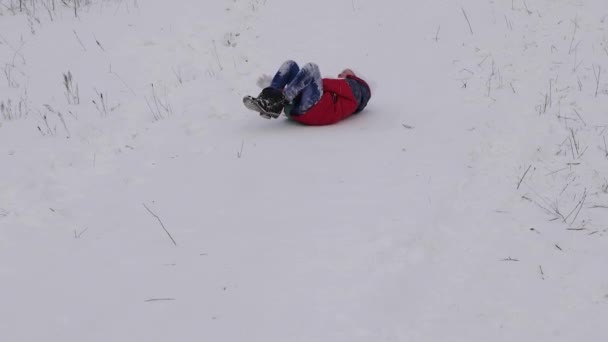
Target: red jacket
[[336, 103]]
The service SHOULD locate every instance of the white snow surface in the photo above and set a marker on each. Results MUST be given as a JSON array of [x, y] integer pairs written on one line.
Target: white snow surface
[[468, 202]]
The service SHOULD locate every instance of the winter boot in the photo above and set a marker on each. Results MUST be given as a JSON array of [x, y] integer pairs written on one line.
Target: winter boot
[[269, 103]]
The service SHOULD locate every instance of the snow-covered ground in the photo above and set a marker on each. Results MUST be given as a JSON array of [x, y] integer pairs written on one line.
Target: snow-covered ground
[[139, 200]]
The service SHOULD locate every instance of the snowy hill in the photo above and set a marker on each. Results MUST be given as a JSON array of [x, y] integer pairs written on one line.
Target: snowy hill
[[139, 200]]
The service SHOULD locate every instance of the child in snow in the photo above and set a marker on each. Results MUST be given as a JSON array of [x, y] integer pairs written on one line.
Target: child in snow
[[307, 98]]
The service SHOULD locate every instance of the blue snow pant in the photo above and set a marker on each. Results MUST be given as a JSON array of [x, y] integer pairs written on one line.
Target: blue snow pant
[[302, 87]]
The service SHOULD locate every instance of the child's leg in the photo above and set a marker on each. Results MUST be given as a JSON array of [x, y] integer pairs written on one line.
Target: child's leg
[[308, 84], [286, 73]]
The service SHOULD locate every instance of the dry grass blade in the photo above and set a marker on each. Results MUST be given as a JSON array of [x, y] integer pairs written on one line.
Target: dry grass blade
[[161, 223]]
